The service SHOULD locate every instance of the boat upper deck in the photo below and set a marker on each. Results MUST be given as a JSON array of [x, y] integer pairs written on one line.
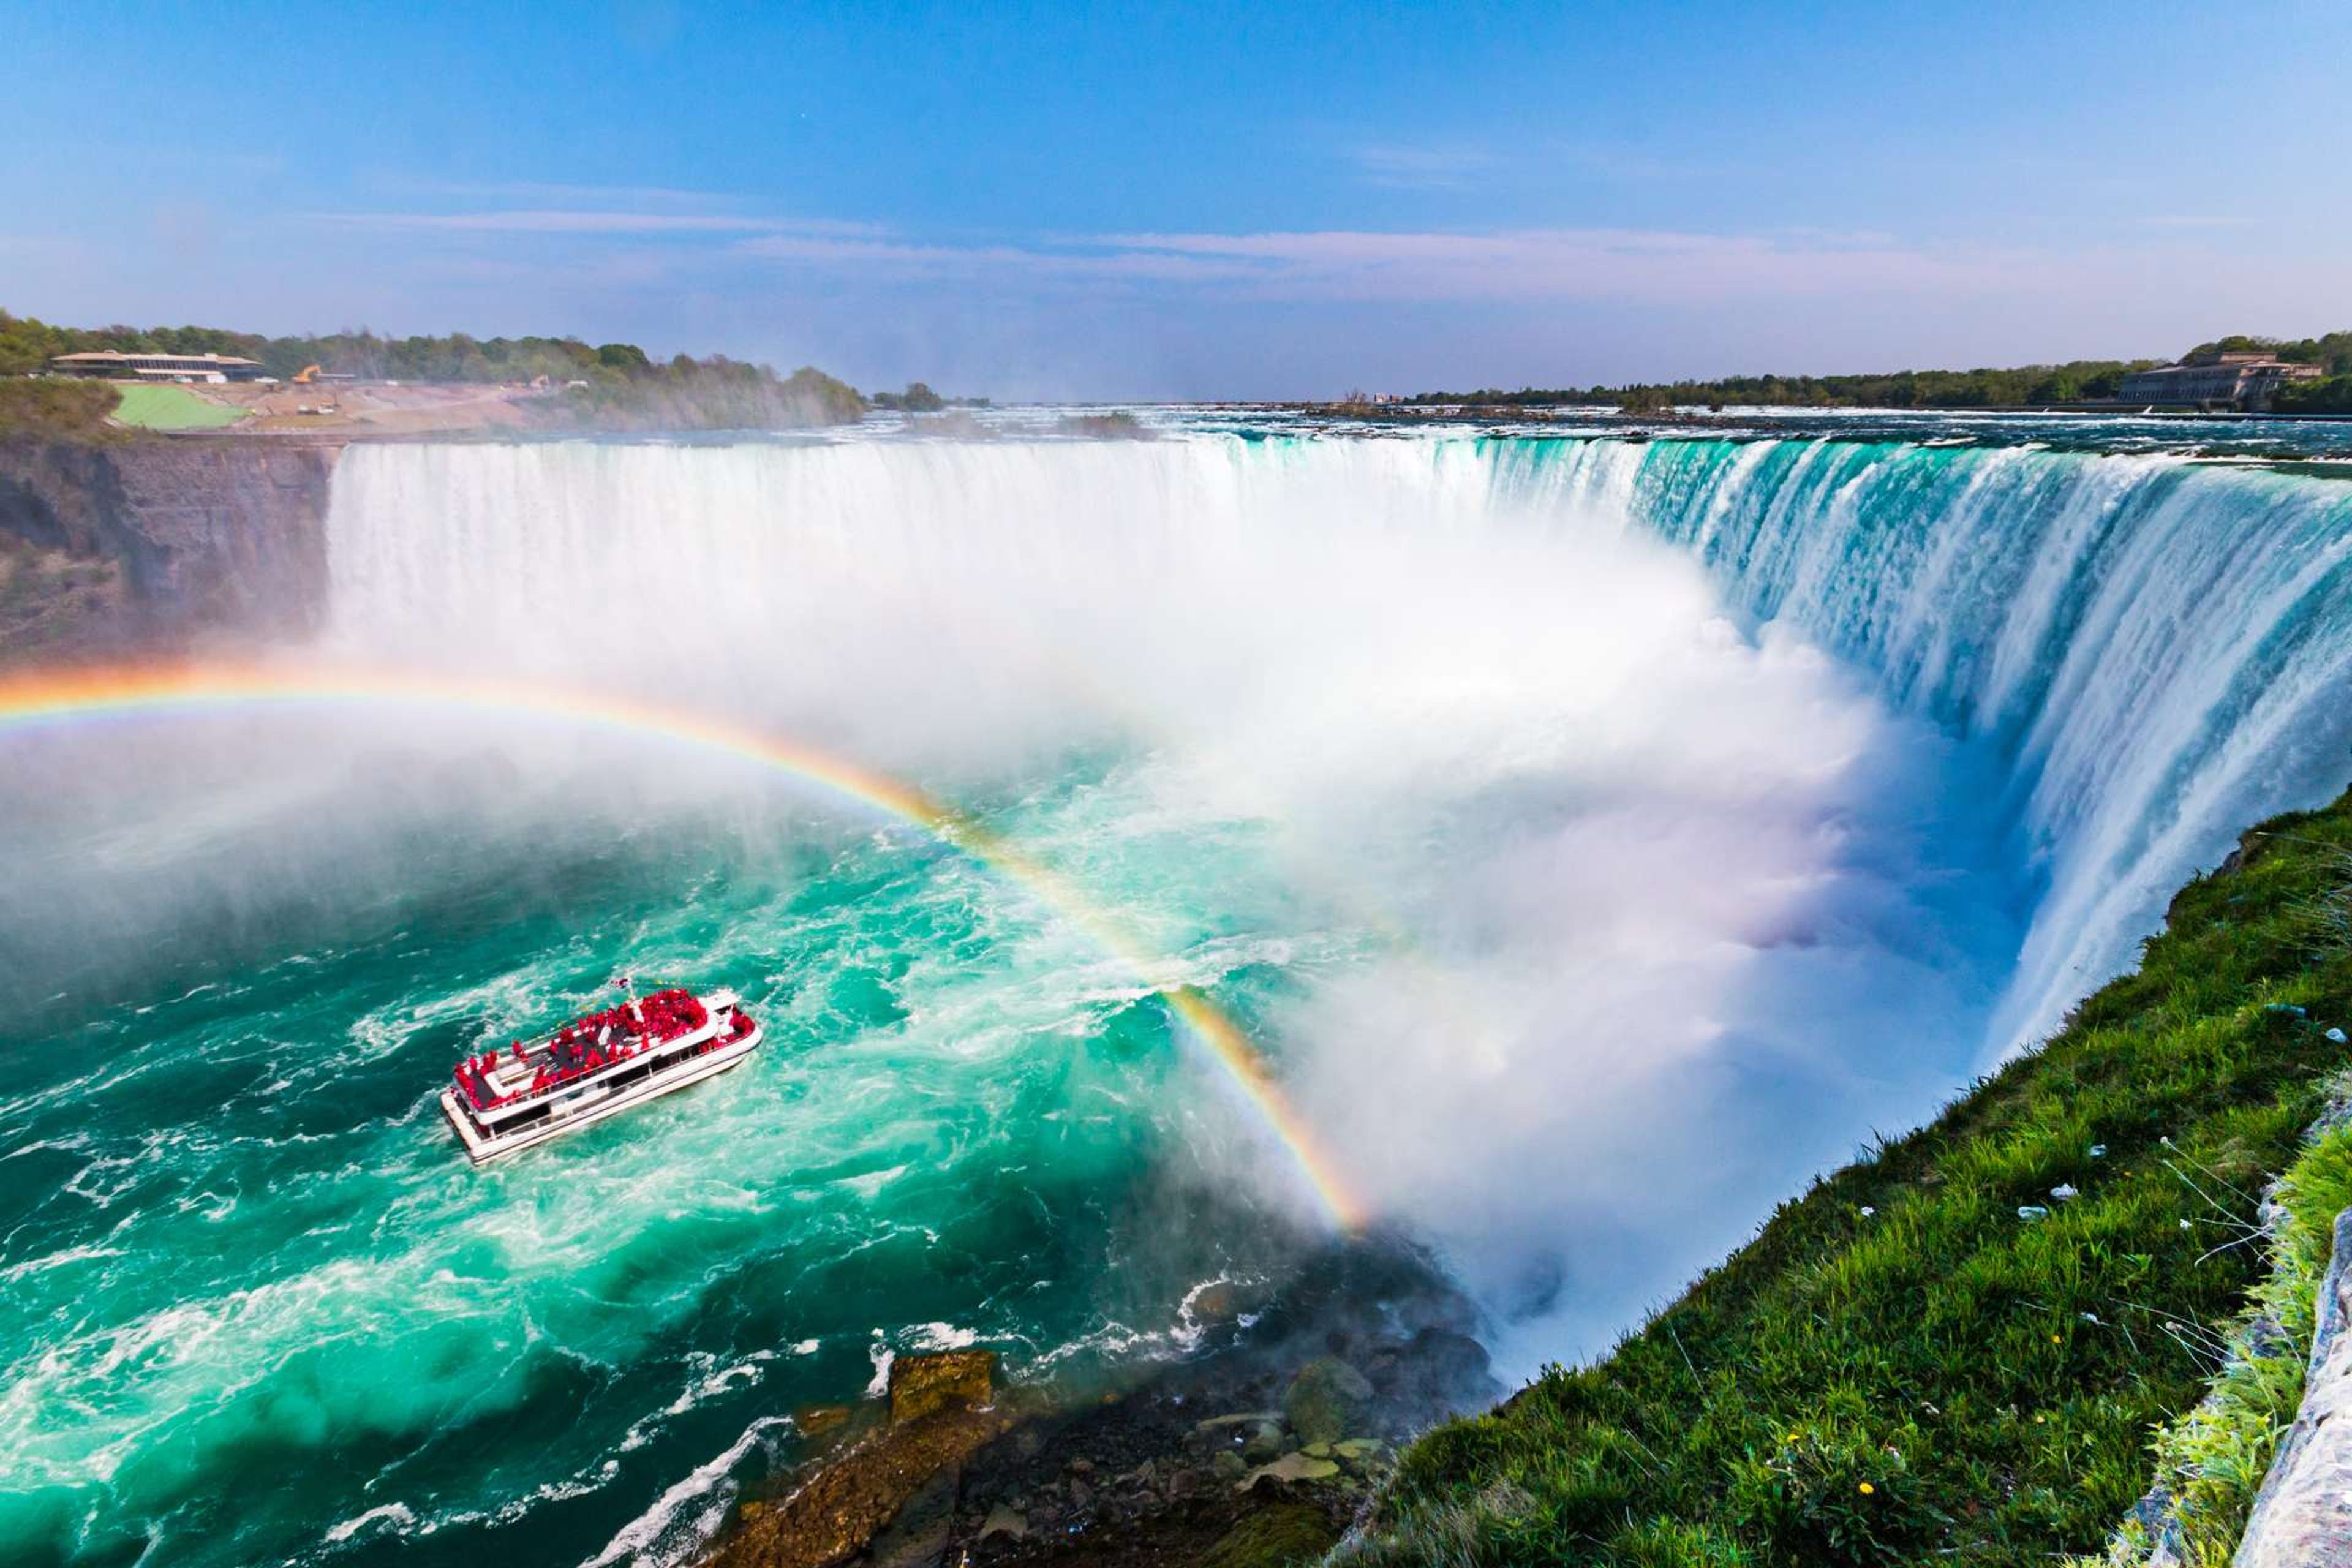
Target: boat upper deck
[[593, 1045]]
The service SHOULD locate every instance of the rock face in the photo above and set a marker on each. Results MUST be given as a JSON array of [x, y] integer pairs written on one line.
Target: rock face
[[923, 1384], [2302, 1516], [138, 545], [893, 1494], [1327, 1400]]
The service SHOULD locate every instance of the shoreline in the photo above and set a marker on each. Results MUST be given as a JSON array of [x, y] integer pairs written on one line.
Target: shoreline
[[1295, 1403]]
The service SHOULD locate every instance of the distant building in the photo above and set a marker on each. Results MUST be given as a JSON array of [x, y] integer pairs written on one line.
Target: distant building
[[157, 367], [2234, 378]]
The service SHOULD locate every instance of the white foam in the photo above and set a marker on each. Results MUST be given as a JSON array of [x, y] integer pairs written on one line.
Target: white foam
[[396, 1518], [686, 1515]]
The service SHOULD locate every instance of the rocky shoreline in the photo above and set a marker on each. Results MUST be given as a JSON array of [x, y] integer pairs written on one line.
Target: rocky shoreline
[[1260, 1449]]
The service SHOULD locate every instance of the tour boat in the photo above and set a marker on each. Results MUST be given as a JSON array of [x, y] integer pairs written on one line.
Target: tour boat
[[598, 1065]]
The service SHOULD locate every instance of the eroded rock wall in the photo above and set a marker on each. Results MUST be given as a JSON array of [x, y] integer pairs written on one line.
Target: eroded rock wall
[[159, 545]]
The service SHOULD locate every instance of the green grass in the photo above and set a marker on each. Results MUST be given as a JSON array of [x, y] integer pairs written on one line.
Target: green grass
[[1941, 1380], [154, 407], [2211, 1460]]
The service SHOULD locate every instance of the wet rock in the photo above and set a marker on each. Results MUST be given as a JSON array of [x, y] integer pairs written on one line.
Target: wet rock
[[923, 1384], [1285, 1533], [815, 1420], [1291, 1468], [916, 1536], [1239, 1418], [1215, 1303], [1263, 1443], [1228, 1466], [859, 1497], [1082, 1496], [1438, 1374], [1081, 1466], [1005, 1521], [1181, 1484], [1325, 1399]]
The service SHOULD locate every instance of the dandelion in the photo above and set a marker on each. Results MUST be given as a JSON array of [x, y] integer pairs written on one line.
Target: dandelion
[[2053, 1339], [1866, 1488]]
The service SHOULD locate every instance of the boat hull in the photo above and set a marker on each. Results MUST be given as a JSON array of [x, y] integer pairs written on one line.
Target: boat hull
[[592, 1107]]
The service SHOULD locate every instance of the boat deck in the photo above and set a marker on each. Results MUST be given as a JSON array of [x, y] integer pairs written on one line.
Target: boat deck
[[593, 1066]]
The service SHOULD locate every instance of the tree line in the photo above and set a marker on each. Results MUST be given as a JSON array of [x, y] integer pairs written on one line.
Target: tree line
[[2023, 386], [620, 383]]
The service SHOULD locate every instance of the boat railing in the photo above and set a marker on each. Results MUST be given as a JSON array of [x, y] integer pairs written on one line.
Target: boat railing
[[660, 1023]]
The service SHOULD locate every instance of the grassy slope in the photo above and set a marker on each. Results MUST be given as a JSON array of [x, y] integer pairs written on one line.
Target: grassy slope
[[2212, 1459], [152, 407], [1942, 1380]]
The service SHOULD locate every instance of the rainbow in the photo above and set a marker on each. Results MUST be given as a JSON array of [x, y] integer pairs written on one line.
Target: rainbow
[[71, 695]]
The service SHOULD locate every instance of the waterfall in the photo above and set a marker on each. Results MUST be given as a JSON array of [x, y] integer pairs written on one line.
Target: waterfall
[[2160, 649], [2157, 649]]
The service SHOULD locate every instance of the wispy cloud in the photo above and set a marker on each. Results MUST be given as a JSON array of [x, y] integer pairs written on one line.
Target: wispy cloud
[[1532, 264], [589, 221], [1458, 166], [1413, 167], [544, 193], [2195, 220], [1666, 267], [1581, 263]]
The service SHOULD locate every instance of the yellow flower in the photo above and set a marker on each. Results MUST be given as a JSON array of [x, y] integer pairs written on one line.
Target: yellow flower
[[2053, 1339], [1867, 1489]]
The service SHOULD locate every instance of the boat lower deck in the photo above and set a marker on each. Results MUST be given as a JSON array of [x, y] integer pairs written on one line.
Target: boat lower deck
[[592, 1102]]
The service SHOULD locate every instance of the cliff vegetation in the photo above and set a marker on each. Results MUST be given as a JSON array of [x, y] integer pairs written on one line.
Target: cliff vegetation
[[1964, 1346], [619, 385], [52, 408], [2023, 386]]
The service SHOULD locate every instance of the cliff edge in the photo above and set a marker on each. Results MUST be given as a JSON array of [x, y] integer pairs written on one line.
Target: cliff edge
[[147, 546]]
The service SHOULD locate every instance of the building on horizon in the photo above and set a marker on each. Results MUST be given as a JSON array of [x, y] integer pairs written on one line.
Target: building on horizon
[[2237, 378], [115, 366]]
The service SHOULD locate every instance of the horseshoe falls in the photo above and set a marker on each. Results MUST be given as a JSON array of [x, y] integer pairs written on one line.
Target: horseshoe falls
[[2155, 649], [1598, 837]]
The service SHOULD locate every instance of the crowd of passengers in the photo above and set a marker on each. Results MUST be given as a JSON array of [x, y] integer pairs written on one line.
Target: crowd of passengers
[[597, 1040]]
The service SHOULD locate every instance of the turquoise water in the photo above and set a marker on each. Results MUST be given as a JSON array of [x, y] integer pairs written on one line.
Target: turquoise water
[[1553, 812], [274, 1314]]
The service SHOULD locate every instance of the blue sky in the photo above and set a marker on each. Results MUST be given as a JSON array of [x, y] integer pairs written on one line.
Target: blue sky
[[1194, 201]]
